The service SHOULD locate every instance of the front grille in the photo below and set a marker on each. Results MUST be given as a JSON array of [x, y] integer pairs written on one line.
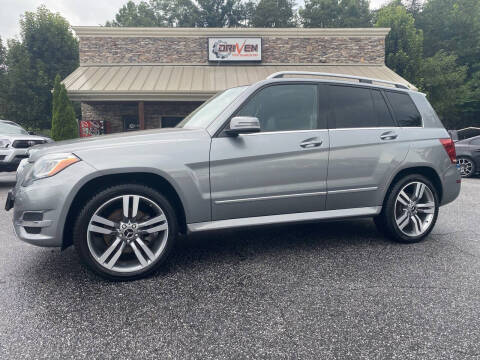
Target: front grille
[[2, 157], [21, 156], [24, 144]]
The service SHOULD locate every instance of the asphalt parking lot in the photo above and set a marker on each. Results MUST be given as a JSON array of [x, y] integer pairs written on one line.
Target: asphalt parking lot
[[316, 291]]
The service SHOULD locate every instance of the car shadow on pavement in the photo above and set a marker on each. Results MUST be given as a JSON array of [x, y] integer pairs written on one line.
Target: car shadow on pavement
[[215, 249]]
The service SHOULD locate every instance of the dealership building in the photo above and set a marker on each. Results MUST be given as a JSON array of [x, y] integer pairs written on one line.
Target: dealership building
[[143, 78]]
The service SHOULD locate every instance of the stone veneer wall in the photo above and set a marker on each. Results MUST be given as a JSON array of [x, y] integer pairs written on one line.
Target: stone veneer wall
[[112, 112], [131, 50]]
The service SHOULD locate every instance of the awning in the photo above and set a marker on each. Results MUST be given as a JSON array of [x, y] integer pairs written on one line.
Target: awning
[[189, 82]]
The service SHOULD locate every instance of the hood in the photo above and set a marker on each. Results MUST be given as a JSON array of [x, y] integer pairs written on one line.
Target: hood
[[13, 137], [77, 146]]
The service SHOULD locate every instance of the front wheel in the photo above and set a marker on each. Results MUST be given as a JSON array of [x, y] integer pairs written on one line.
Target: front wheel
[[125, 232], [410, 210]]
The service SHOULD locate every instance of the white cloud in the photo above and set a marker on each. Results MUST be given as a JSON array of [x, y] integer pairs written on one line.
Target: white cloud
[[77, 12]]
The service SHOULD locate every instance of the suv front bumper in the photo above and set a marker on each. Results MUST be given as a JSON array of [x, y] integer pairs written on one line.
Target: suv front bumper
[[40, 209], [11, 157]]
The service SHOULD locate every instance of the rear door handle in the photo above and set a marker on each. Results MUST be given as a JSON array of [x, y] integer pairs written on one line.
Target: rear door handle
[[388, 135], [311, 143]]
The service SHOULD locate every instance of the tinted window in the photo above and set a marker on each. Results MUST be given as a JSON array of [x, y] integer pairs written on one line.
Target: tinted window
[[355, 107], [284, 107], [384, 118], [404, 109]]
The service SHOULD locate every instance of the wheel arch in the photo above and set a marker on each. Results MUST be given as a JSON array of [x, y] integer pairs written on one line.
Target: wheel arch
[[427, 171], [96, 184]]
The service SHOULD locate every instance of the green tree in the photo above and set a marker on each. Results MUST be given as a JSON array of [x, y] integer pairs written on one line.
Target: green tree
[[274, 13], [404, 43], [336, 13], [47, 47], [141, 15], [199, 13], [453, 26], [64, 124], [3, 79], [444, 82]]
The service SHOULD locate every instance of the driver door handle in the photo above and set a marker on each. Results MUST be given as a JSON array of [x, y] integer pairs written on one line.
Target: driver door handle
[[311, 143], [388, 135]]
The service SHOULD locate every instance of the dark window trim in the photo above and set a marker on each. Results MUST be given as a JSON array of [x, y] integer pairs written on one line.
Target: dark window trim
[[414, 105], [221, 131]]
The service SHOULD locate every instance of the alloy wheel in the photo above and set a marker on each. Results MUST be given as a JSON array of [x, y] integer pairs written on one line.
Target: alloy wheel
[[127, 233], [466, 167], [414, 209]]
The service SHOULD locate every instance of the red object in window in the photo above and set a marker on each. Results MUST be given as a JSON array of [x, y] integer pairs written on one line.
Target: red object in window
[[449, 146], [91, 128]]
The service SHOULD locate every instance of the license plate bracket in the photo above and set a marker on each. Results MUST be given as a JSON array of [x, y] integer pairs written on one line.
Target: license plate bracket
[[10, 201]]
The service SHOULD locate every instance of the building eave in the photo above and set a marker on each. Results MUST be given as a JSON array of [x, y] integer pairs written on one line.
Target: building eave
[[102, 31], [97, 96]]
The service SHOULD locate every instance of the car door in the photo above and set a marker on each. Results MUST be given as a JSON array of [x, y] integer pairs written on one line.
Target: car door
[[281, 169], [365, 147]]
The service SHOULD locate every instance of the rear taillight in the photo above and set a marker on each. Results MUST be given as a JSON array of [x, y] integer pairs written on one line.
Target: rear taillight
[[449, 146]]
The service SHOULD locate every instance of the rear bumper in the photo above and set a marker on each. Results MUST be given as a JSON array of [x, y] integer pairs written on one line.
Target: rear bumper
[[451, 184]]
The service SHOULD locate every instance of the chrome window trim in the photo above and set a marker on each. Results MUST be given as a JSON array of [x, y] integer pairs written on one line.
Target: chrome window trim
[[284, 132]]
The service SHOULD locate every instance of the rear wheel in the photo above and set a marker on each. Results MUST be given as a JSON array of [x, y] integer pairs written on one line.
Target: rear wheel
[[467, 166], [125, 232], [410, 210]]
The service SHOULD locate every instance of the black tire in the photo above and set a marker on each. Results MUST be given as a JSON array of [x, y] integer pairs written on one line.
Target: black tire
[[474, 169], [84, 216], [386, 221]]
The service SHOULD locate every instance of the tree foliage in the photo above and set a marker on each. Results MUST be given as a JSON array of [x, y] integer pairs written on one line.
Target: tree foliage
[[404, 43], [46, 47], [64, 124], [336, 13], [182, 13], [274, 13]]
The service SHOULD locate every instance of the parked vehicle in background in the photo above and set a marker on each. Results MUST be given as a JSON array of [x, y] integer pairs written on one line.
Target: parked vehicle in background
[[468, 156], [279, 151], [463, 134], [14, 143]]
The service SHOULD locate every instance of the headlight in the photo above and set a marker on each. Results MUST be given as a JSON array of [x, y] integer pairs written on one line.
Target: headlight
[[49, 165], [4, 143]]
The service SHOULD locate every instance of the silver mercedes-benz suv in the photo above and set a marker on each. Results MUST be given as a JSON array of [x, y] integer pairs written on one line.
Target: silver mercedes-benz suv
[[294, 147]]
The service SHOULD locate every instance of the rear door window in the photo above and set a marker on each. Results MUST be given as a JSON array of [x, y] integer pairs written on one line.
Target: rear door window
[[357, 107], [404, 109]]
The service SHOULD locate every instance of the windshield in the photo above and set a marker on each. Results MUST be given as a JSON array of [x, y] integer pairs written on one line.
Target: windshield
[[11, 129], [209, 110]]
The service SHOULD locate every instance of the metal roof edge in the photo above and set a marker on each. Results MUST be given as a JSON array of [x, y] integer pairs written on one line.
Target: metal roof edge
[[228, 64], [103, 31], [95, 96]]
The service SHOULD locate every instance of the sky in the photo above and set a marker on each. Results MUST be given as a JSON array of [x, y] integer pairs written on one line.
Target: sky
[[77, 12]]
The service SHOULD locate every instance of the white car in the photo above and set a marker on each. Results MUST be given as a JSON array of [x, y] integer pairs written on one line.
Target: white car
[[14, 144]]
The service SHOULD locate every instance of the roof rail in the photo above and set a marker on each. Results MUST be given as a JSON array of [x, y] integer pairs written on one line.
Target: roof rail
[[344, 76]]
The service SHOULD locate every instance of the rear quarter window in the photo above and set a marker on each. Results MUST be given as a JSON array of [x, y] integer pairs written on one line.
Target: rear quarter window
[[404, 109]]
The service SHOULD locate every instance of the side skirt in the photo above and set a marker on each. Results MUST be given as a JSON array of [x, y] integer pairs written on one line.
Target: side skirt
[[284, 218]]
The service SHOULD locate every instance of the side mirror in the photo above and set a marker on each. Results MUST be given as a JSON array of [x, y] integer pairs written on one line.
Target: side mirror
[[243, 125], [31, 133]]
